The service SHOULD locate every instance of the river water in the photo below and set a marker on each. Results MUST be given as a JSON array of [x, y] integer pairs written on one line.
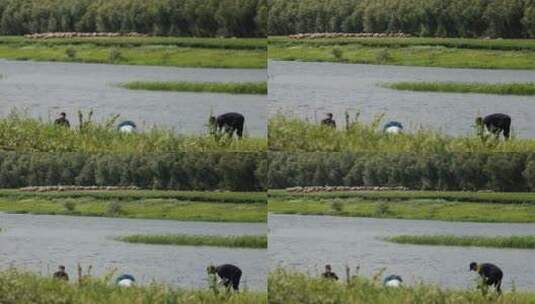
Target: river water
[[309, 90], [44, 89], [307, 243], [42, 242]]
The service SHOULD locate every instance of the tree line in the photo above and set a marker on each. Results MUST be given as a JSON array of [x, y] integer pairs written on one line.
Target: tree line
[[441, 172], [177, 171], [239, 18], [437, 18]]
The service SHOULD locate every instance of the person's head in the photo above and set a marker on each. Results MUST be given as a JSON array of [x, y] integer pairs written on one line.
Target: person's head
[[212, 121], [328, 268], [61, 268], [211, 269], [479, 121], [330, 115], [473, 266], [63, 114]]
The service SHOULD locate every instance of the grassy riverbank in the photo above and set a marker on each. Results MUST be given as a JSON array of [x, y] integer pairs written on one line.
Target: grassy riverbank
[[238, 241], [161, 51], [295, 135], [21, 133], [293, 287], [23, 287], [410, 205], [459, 87], [142, 207], [259, 88], [520, 242], [431, 52]]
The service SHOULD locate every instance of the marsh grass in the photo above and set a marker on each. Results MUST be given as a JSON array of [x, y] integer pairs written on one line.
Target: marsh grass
[[24, 287], [170, 205], [238, 241], [519, 242], [460, 87], [493, 210], [434, 52], [259, 88], [287, 287], [291, 134], [21, 133]]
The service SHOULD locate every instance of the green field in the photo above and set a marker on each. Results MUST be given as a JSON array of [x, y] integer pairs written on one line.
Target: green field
[[162, 51], [259, 88], [432, 52], [444, 206], [21, 133], [296, 135], [232, 241], [460, 87], [24, 287], [181, 206], [292, 287], [519, 242]]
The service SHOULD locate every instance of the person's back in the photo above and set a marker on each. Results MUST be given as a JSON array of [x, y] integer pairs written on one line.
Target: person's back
[[329, 121], [491, 274], [62, 120], [498, 122], [231, 122], [230, 274]]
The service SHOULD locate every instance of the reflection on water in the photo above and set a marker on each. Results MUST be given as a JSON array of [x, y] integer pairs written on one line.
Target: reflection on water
[[306, 243], [311, 89], [46, 88], [41, 242]]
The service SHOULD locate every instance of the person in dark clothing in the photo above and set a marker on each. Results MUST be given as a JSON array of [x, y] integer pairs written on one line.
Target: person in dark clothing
[[492, 275], [62, 120], [229, 122], [329, 274], [495, 124], [61, 274], [229, 274], [329, 121]]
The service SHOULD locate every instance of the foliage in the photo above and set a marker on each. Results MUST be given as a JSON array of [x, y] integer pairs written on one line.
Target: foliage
[[24, 287], [186, 86], [519, 241], [239, 18], [167, 171], [452, 18], [461, 87], [234, 241]]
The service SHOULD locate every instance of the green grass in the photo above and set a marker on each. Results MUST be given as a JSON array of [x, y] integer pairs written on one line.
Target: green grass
[[23, 287], [193, 42], [213, 87], [239, 241], [520, 242], [292, 287], [169, 207], [457, 53], [519, 198], [296, 135], [460, 87], [139, 51], [21, 133], [414, 209]]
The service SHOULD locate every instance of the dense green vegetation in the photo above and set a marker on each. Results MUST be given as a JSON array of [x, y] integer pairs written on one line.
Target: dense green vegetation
[[416, 209], [160, 55], [461, 87], [167, 171], [292, 287], [259, 44], [418, 171], [522, 242], [290, 134], [218, 87], [145, 207], [21, 133], [239, 18], [427, 52], [451, 18], [24, 287], [239, 241]]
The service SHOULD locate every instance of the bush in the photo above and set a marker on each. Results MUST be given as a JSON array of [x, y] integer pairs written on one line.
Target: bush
[[114, 208], [70, 206], [337, 52], [114, 55], [70, 52]]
